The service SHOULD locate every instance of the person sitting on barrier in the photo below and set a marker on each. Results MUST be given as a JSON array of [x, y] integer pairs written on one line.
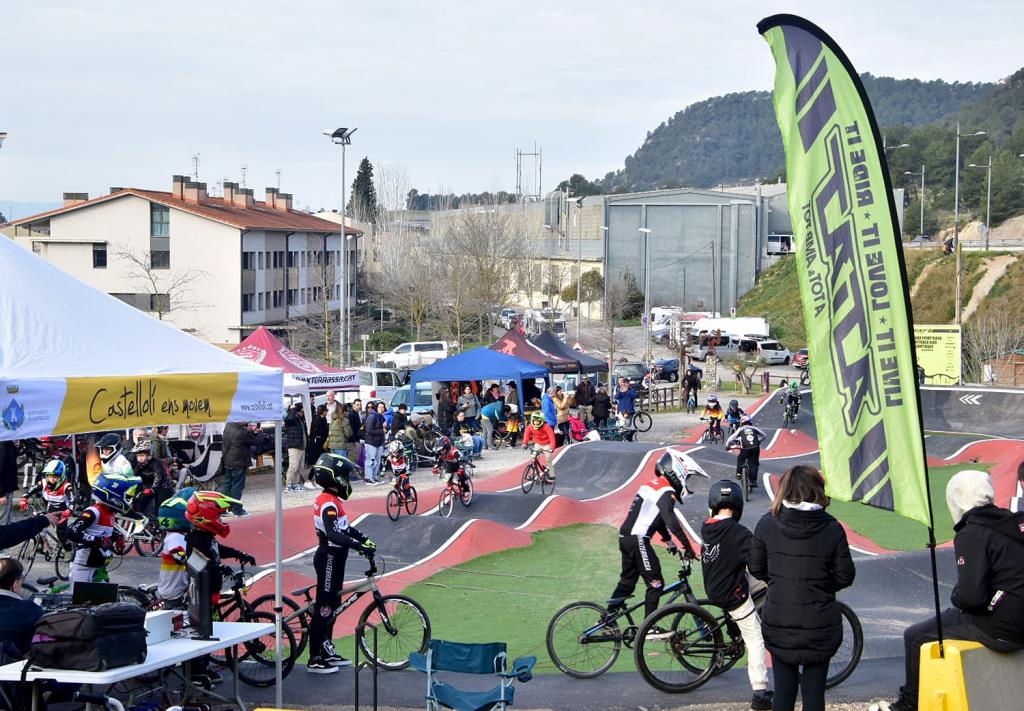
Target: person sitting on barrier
[[651, 511], [988, 599], [714, 414], [748, 439], [791, 396], [724, 554], [542, 436]]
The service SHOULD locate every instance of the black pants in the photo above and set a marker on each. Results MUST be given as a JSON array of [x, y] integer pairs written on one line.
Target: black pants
[[955, 625], [329, 564], [639, 561], [810, 679], [749, 455]]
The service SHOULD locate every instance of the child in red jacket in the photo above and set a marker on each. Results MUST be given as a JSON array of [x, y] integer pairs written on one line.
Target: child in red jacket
[[543, 438]]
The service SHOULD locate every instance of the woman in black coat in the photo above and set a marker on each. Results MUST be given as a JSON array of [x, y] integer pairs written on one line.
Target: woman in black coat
[[445, 409], [318, 430], [602, 407], [801, 552]]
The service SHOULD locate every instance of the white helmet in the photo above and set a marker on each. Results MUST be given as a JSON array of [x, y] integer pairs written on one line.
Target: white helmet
[[685, 466]]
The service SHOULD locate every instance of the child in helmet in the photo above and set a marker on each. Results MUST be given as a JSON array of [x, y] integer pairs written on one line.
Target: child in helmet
[[714, 414], [542, 436], [449, 459], [748, 440], [791, 396], [54, 487], [173, 583], [734, 413], [336, 537], [92, 531], [111, 459], [204, 510], [724, 555]]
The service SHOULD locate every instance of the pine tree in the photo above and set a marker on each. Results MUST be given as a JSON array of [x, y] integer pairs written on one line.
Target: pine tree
[[362, 205]]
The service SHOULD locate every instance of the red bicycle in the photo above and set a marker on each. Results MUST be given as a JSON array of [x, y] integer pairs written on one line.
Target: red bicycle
[[402, 496], [459, 486]]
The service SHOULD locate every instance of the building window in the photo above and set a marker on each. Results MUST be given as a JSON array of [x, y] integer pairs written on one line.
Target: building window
[[159, 220], [160, 259], [99, 256], [291, 259], [260, 307], [161, 303], [260, 254], [247, 302], [292, 295], [248, 260]]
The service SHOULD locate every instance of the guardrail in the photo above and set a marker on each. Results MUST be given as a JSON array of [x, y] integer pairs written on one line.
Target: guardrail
[[1002, 245]]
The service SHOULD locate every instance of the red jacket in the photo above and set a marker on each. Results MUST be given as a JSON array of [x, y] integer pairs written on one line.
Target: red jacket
[[543, 436]]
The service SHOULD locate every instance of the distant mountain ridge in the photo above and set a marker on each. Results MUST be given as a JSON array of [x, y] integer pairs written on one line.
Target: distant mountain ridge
[[734, 138]]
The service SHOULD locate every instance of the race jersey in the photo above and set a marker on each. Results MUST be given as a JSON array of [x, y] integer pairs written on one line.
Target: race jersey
[[173, 581], [652, 511], [746, 437], [118, 464], [716, 413], [94, 526], [331, 523], [59, 498]]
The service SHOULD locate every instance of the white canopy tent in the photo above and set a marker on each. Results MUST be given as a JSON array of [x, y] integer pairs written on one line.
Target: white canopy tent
[[74, 359]]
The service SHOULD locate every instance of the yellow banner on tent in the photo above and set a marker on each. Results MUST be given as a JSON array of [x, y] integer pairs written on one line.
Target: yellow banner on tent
[[92, 404], [938, 353]]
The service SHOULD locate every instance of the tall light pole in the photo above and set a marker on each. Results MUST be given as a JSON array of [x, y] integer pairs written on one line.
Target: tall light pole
[[956, 221], [920, 197], [579, 266], [3, 135], [647, 294], [343, 137], [988, 200]]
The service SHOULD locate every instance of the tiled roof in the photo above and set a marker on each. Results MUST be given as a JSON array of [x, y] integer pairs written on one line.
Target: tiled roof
[[257, 217]]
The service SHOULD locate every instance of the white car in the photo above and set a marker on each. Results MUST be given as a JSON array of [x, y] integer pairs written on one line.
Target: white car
[[414, 354], [773, 352]]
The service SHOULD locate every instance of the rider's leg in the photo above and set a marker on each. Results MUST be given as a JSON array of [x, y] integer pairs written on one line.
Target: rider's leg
[[741, 459], [755, 463], [745, 617], [329, 565], [630, 572], [650, 571]]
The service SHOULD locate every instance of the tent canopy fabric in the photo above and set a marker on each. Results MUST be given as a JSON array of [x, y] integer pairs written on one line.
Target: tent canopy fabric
[[478, 364], [265, 348], [588, 364], [514, 343], [74, 359]]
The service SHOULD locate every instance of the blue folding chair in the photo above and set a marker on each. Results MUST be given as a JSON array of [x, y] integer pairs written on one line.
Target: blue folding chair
[[470, 659]]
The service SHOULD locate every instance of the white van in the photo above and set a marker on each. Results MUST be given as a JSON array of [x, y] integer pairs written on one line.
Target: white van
[[414, 354], [378, 384], [773, 352], [727, 345]]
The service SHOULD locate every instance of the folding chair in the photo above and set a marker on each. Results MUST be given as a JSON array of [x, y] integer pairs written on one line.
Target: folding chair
[[470, 659]]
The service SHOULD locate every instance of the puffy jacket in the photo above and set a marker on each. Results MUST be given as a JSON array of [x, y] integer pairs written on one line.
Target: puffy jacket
[[293, 436], [375, 429], [18, 619], [805, 559], [585, 393], [340, 433], [562, 406], [547, 406], [602, 406], [989, 546], [625, 400], [543, 437], [237, 446]]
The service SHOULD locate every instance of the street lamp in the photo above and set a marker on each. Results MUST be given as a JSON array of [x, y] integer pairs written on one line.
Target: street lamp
[[647, 294], [343, 137], [988, 201], [956, 219], [921, 197], [579, 266]]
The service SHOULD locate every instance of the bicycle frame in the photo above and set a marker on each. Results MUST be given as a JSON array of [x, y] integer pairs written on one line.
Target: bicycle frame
[[671, 593]]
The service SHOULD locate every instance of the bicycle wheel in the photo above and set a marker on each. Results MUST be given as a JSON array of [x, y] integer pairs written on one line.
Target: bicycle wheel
[[153, 542], [126, 593], [294, 617], [682, 652], [642, 421], [62, 557], [229, 610], [27, 553], [412, 502], [805, 377], [579, 643], [845, 660], [745, 481], [394, 504], [402, 628], [445, 502], [257, 658], [466, 497], [529, 476], [547, 482]]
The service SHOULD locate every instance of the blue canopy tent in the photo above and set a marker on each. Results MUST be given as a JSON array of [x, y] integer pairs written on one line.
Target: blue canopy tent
[[478, 364]]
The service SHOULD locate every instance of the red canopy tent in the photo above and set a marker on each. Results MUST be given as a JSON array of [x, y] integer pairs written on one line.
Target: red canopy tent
[[265, 348], [516, 344]]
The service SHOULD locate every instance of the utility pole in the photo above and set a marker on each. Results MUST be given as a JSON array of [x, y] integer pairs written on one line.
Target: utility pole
[[988, 202], [579, 268], [714, 282], [647, 294], [956, 224]]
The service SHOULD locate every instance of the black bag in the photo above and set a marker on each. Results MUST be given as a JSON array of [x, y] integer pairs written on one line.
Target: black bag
[[90, 638]]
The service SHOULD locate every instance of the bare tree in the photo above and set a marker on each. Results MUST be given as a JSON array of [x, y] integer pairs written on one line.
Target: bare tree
[[988, 336], [168, 289], [617, 300], [744, 368]]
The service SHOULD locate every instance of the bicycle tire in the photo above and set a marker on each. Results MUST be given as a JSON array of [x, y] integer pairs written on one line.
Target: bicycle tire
[[412, 501], [745, 481], [229, 611], [257, 660], [689, 658], [466, 496], [844, 663], [529, 476], [574, 620], [62, 558], [547, 483], [446, 502], [411, 627], [126, 593], [394, 504], [298, 617], [27, 553], [152, 547], [805, 377], [642, 421]]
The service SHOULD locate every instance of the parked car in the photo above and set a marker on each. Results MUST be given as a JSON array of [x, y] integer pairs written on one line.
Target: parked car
[[661, 333], [773, 352], [727, 345], [667, 369], [508, 318], [633, 372], [414, 354], [424, 404], [800, 359], [378, 383]]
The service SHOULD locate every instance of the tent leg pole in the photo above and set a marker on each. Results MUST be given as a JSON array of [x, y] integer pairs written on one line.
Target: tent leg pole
[[278, 533]]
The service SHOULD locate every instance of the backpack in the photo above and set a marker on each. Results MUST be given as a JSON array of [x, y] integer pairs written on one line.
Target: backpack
[[89, 638]]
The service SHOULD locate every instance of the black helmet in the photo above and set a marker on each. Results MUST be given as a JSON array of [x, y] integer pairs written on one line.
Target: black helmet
[[733, 404], [726, 494], [332, 472], [666, 470], [111, 441]]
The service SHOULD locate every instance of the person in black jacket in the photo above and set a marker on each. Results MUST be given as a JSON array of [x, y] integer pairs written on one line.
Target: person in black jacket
[[584, 397], [802, 553], [319, 428], [445, 409], [400, 420], [18, 616], [236, 455], [725, 551], [988, 599], [602, 407], [293, 437], [374, 442]]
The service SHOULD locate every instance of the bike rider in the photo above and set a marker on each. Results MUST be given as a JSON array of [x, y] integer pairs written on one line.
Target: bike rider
[[542, 436], [112, 461], [652, 511], [714, 414], [55, 489], [450, 460], [336, 537], [93, 530], [748, 440], [734, 413], [791, 396], [724, 554], [691, 384]]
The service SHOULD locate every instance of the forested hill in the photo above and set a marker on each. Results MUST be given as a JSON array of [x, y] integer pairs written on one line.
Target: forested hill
[[734, 138]]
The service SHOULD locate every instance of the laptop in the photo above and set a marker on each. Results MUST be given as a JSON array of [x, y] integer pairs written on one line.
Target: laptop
[[93, 593]]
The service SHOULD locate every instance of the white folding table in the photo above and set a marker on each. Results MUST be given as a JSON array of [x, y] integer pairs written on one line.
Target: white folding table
[[159, 656]]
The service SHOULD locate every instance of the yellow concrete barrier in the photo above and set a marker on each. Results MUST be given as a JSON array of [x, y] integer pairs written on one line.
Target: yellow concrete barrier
[[970, 678], [942, 686]]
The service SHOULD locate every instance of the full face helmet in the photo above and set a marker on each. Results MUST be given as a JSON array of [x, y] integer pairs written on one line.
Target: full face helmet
[[666, 468], [55, 472], [537, 420], [395, 449], [116, 490], [734, 404], [108, 446], [333, 473], [172, 512], [794, 388], [713, 400], [205, 508]]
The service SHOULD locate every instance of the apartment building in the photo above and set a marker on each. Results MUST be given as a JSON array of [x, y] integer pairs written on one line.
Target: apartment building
[[218, 267]]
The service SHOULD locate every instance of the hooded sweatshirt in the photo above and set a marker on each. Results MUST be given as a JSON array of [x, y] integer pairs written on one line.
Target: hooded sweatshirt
[[723, 557]]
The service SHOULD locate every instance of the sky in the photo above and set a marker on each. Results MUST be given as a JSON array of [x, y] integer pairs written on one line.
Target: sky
[[124, 93]]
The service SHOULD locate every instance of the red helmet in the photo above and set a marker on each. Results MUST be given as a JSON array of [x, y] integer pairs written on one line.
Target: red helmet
[[205, 509]]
